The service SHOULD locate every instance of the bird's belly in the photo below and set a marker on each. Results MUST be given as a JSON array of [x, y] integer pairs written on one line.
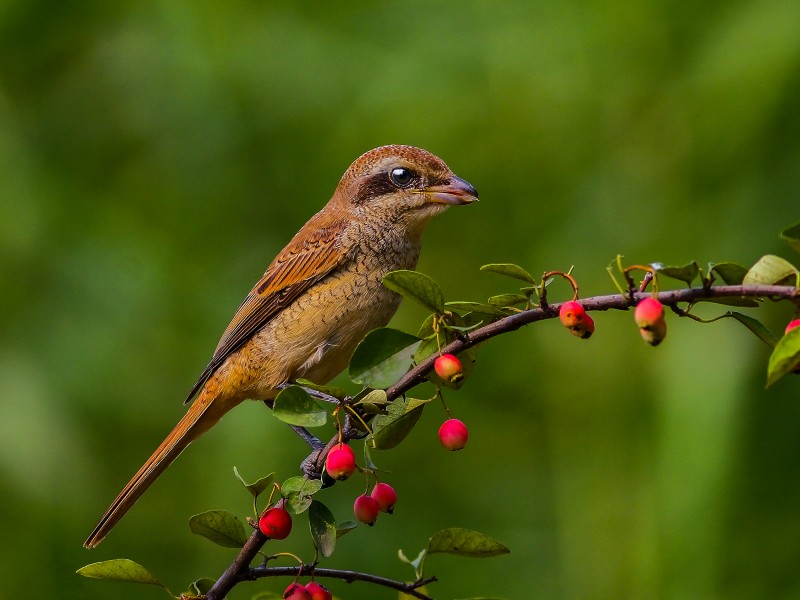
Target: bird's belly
[[315, 336]]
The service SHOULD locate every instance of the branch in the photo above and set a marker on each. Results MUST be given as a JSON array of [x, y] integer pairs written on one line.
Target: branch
[[239, 570], [615, 301], [410, 588]]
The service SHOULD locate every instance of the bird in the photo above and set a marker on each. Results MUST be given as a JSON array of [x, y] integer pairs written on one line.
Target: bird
[[317, 299]]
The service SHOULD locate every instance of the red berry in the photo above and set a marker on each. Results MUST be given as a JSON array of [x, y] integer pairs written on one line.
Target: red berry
[[453, 434], [649, 316], [341, 462], [366, 509], [276, 523], [318, 591], [571, 314], [448, 367], [296, 591], [385, 496], [792, 325], [648, 311]]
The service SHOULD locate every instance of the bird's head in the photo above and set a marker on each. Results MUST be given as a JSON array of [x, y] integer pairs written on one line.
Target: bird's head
[[401, 185]]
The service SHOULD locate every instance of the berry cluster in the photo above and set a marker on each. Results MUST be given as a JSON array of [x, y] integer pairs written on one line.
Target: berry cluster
[[453, 433], [341, 464], [367, 507], [649, 316]]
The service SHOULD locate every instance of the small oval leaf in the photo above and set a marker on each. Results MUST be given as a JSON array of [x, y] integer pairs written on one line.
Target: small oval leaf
[[336, 392], [201, 586], [785, 357], [730, 273], [510, 270], [298, 492], [478, 307], [465, 542], [508, 300], [221, 527], [258, 486], [416, 286], [382, 357], [323, 528], [390, 429], [373, 397], [294, 406], [345, 527], [685, 273], [119, 569], [768, 270]]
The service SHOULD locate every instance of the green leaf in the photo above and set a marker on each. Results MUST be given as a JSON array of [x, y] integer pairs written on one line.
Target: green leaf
[[382, 357], [730, 273], [508, 300], [221, 527], [465, 542], [267, 595], [510, 270], [769, 270], [369, 464], [478, 307], [258, 486], [785, 357], [685, 273], [330, 390], [120, 569], [373, 397], [416, 286], [294, 406], [345, 527], [756, 326], [298, 492], [201, 586], [323, 528], [792, 236], [426, 348], [390, 429]]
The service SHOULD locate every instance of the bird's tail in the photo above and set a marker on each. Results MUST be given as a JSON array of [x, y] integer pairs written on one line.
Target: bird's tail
[[201, 416]]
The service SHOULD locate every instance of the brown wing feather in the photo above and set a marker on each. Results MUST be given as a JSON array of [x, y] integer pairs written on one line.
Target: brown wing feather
[[300, 265]]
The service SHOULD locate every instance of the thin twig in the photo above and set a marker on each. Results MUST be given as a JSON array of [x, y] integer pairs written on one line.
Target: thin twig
[[410, 588]]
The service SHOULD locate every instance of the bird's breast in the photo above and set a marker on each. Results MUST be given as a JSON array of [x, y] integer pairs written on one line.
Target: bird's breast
[[315, 336]]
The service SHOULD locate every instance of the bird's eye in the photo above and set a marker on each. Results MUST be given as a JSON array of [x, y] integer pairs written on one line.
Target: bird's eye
[[402, 177]]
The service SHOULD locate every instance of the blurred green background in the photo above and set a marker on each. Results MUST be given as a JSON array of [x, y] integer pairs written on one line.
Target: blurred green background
[[156, 155]]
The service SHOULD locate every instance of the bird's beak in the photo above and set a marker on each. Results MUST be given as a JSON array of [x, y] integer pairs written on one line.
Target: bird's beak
[[456, 191]]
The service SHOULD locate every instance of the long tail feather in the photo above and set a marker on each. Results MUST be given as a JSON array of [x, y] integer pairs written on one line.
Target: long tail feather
[[202, 415]]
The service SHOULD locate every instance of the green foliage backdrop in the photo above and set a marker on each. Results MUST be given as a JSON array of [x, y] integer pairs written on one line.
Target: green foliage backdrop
[[156, 155]]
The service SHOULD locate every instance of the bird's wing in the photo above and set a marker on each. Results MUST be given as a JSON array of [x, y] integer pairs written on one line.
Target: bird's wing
[[300, 265]]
